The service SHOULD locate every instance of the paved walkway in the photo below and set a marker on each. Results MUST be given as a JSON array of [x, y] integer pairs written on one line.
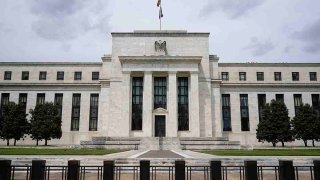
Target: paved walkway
[[160, 154]]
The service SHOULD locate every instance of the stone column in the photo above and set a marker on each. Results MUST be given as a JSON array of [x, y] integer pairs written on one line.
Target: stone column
[[216, 104], [172, 120], [147, 104], [194, 123], [124, 125]]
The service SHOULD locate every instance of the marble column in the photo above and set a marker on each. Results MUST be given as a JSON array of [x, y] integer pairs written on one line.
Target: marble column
[[194, 123], [172, 120], [147, 121], [217, 116]]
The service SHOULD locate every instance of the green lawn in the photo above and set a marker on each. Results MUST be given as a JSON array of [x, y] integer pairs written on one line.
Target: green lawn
[[265, 152], [41, 151]]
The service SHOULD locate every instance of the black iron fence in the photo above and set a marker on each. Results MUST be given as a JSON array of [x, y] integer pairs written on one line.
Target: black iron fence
[[109, 171]]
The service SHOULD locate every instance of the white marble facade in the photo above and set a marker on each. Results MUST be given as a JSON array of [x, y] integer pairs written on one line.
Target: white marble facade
[[134, 55]]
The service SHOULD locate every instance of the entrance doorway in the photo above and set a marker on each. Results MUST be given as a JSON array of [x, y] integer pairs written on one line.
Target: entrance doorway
[[160, 126]]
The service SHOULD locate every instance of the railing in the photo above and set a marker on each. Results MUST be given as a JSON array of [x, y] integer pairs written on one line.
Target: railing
[[215, 171]]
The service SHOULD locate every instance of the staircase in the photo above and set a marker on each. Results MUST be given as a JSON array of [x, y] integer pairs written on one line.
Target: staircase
[[207, 143], [162, 143], [124, 143]]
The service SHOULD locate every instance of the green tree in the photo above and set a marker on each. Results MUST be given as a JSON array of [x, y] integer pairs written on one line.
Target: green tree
[[14, 124], [45, 123], [275, 125], [305, 124]]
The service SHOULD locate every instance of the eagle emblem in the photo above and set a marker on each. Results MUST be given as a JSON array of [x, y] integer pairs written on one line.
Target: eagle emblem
[[161, 47]]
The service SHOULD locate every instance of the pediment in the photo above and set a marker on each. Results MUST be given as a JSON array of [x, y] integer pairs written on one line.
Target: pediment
[[160, 111]]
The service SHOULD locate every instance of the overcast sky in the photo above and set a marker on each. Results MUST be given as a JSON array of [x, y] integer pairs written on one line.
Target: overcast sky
[[241, 30]]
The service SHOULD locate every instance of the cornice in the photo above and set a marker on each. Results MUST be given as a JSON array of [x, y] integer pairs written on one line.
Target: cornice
[[160, 59]]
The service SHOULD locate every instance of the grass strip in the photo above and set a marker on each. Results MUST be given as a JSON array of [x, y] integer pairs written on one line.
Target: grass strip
[[265, 152], [41, 151]]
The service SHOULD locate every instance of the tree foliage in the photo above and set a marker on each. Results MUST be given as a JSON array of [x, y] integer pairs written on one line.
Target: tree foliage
[[275, 125], [45, 122]]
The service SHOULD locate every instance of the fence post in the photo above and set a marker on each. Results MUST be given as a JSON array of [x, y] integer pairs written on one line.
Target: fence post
[[316, 169], [38, 170], [108, 170], [180, 170], [286, 170], [5, 169], [73, 170], [144, 170], [251, 170], [215, 170]]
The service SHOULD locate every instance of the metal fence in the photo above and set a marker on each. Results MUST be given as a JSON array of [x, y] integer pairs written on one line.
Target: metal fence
[[109, 171]]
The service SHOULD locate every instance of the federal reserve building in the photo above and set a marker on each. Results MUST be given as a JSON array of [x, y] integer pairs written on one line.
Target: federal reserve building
[[160, 84]]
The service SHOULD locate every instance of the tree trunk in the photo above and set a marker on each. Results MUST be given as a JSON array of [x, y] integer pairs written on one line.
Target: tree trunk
[[46, 142], [313, 143], [15, 142], [273, 144], [8, 142], [37, 142], [305, 143], [282, 144]]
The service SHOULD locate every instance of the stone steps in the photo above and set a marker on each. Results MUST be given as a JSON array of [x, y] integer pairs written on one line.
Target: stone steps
[[207, 143], [125, 143]]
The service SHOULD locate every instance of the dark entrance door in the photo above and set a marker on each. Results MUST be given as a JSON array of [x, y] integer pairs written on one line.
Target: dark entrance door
[[160, 126]]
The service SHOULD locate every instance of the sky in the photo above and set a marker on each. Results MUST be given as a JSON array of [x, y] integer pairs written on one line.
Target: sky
[[240, 30]]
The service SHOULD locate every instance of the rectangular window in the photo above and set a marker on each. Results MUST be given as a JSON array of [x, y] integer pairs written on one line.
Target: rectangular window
[[261, 104], [41, 98], [7, 75], [313, 76], [183, 104], [77, 75], [277, 76], [75, 116], [137, 100], [25, 75], [42, 75], [297, 102], [23, 100], [244, 111], [160, 92], [295, 76], [4, 101], [94, 105], [225, 76], [60, 75], [95, 76], [280, 98], [242, 76], [226, 112], [260, 76], [316, 104], [58, 101]]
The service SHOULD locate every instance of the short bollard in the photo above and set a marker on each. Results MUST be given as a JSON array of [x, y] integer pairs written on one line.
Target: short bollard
[[215, 170], [38, 170], [286, 170], [251, 170], [180, 168], [108, 170], [316, 169], [144, 170], [73, 170], [5, 169]]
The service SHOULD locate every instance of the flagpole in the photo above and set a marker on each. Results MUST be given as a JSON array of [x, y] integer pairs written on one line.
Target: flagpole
[[160, 19]]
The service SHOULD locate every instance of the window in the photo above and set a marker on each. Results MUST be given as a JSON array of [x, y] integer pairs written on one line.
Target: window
[[297, 102], [316, 104], [226, 112], [75, 116], [94, 105], [313, 76], [277, 76], [4, 101], [60, 75], [183, 104], [160, 92], [260, 76], [23, 100], [7, 75], [77, 75], [137, 100], [95, 76], [242, 76], [225, 76], [261, 104], [280, 98], [58, 101], [42, 75], [41, 98], [244, 112], [25, 75], [295, 76]]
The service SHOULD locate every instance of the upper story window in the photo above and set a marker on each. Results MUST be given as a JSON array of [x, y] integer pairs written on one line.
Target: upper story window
[[313, 76], [95, 76], [242, 76], [295, 76], [77, 75], [7, 75], [60, 75], [277, 76], [225, 76], [25, 75], [43, 75], [260, 76]]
